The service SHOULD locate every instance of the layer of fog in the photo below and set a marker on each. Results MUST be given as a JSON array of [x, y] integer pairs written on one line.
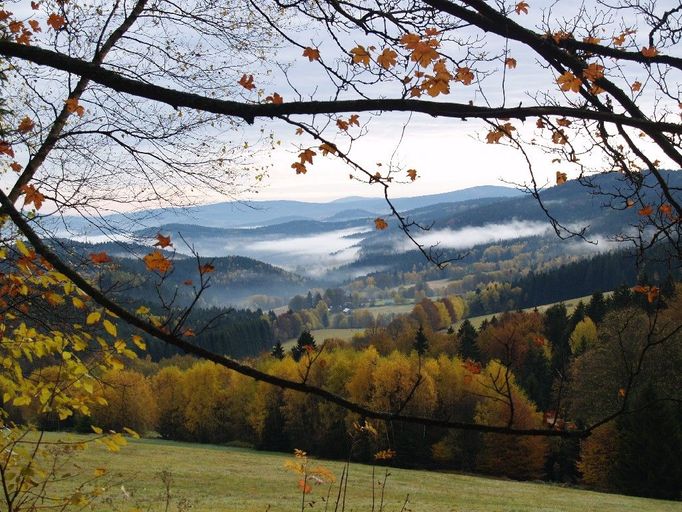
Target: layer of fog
[[470, 236]]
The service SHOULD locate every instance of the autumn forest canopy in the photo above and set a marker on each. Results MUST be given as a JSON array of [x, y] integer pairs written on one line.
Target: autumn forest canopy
[[115, 115]]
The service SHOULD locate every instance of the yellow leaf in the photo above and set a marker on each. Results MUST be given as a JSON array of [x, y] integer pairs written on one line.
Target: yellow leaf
[[22, 248], [109, 327], [569, 82], [380, 223], [100, 472], [93, 317]]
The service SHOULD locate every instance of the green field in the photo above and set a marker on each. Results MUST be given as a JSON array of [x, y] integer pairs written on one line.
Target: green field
[[323, 334], [214, 478]]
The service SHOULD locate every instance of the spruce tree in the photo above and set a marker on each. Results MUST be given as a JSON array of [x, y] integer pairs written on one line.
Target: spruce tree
[[277, 351], [421, 342], [468, 349]]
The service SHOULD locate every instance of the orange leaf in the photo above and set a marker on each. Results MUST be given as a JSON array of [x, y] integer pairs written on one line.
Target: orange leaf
[[55, 21], [72, 106], [157, 261], [343, 125], [464, 75], [247, 82], [327, 148], [15, 166], [510, 62], [649, 51], [410, 41], [307, 156], [99, 257], [15, 26], [275, 99], [35, 5], [521, 7], [621, 392], [564, 122], [299, 131], [35, 25], [387, 58], [380, 223], [412, 173], [561, 178], [4, 15], [591, 40], [431, 32], [6, 149], [311, 53], [300, 168], [32, 196], [666, 210], [354, 120], [360, 55], [569, 82], [647, 210], [206, 268], [559, 137], [593, 72], [188, 282], [163, 241], [540, 123], [636, 86]]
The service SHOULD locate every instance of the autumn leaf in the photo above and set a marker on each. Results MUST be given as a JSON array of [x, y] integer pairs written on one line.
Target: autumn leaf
[[539, 123], [188, 282], [569, 82], [56, 21], [327, 148], [380, 223], [275, 99], [163, 241], [93, 318], [647, 210], [31, 195], [621, 392], [561, 178], [410, 41], [16, 26], [26, 125], [343, 125], [412, 173], [360, 55], [591, 40], [559, 137], [109, 327], [299, 167], [99, 258], [247, 82], [593, 72], [521, 7], [16, 166], [35, 25], [564, 122], [464, 75], [510, 62], [649, 51], [206, 268], [306, 156], [72, 106], [387, 58], [354, 120], [157, 261], [425, 53], [311, 53], [636, 86], [666, 210], [494, 136], [6, 149], [299, 131], [4, 15]]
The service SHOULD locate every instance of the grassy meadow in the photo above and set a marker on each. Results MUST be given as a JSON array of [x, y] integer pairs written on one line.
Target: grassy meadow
[[216, 478]]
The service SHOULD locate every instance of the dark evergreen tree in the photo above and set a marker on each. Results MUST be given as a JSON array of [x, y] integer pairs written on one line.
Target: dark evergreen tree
[[468, 349], [596, 309], [421, 342], [558, 330], [278, 351]]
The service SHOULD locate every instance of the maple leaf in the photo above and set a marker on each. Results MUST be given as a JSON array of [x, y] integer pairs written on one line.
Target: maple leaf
[[311, 53], [300, 168], [56, 21], [16, 26], [647, 210], [206, 268], [649, 51], [636, 86], [299, 131], [464, 75], [31, 195], [412, 173], [275, 99], [307, 156], [380, 223], [354, 120], [360, 55], [569, 82], [494, 136], [559, 137], [510, 62], [521, 7], [540, 123], [410, 41], [35, 26], [424, 53], [72, 106], [431, 32], [561, 178], [188, 282], [15, 166], [99, 258], [593, 72], [157, 261], [564, 122], [35, 5], [247, 82], [591, 40], [666, 210], [327, 148], [343, 125], [163, 241], [4, 15], [387, 58]]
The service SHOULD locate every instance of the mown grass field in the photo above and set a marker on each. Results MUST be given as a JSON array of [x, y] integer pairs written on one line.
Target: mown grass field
[[214, 478], [323, 334]]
